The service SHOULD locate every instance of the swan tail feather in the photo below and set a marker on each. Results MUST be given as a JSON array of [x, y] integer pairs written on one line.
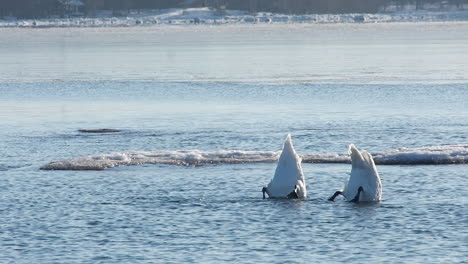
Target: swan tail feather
[[288, 173]]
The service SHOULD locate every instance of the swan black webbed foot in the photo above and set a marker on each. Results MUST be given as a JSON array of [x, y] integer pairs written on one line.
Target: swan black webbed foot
[[332, 199], [356, 198], [264, 190], [293, 194]]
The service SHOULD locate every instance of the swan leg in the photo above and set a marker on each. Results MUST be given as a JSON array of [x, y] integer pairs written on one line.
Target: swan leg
[[334, 196], [264, 190], [356, 199], [293, 195]]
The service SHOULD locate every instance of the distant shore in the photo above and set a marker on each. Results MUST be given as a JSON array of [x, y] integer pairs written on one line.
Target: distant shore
[[206, 16]]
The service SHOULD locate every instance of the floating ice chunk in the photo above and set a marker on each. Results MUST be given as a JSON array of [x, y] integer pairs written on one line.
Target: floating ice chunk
[[187, 157], [448, 154], [99, 130]]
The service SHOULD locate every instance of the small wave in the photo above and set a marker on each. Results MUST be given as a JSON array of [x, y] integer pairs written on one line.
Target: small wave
[[449, 154], [4, 167]]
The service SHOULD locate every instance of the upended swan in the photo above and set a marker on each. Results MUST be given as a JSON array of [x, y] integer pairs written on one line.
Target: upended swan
[[364, 183], [288, 181]]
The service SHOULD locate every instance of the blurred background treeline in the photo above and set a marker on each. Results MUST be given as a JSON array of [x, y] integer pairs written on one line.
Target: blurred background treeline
[[67, 8]]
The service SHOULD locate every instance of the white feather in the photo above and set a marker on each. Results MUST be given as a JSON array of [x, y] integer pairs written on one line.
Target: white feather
[[363, 173], [288, 174]]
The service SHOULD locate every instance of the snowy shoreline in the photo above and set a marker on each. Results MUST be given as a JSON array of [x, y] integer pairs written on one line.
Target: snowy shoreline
[[206, 16]]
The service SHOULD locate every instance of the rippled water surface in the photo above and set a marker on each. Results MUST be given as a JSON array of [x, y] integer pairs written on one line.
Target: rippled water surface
[[381, 87]]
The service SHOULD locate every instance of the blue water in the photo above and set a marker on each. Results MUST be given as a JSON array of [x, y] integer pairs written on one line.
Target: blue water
[[381, 87]]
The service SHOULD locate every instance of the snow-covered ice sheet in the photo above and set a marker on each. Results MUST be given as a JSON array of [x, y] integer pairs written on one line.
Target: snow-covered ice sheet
[[447, 154]]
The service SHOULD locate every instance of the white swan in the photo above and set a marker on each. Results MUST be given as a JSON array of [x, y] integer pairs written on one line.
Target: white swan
[[364, 183], [289, 181]]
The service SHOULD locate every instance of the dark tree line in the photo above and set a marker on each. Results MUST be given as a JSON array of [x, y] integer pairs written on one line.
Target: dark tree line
[[47, 8], [30, 8], [307, 6], [323, 6]]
